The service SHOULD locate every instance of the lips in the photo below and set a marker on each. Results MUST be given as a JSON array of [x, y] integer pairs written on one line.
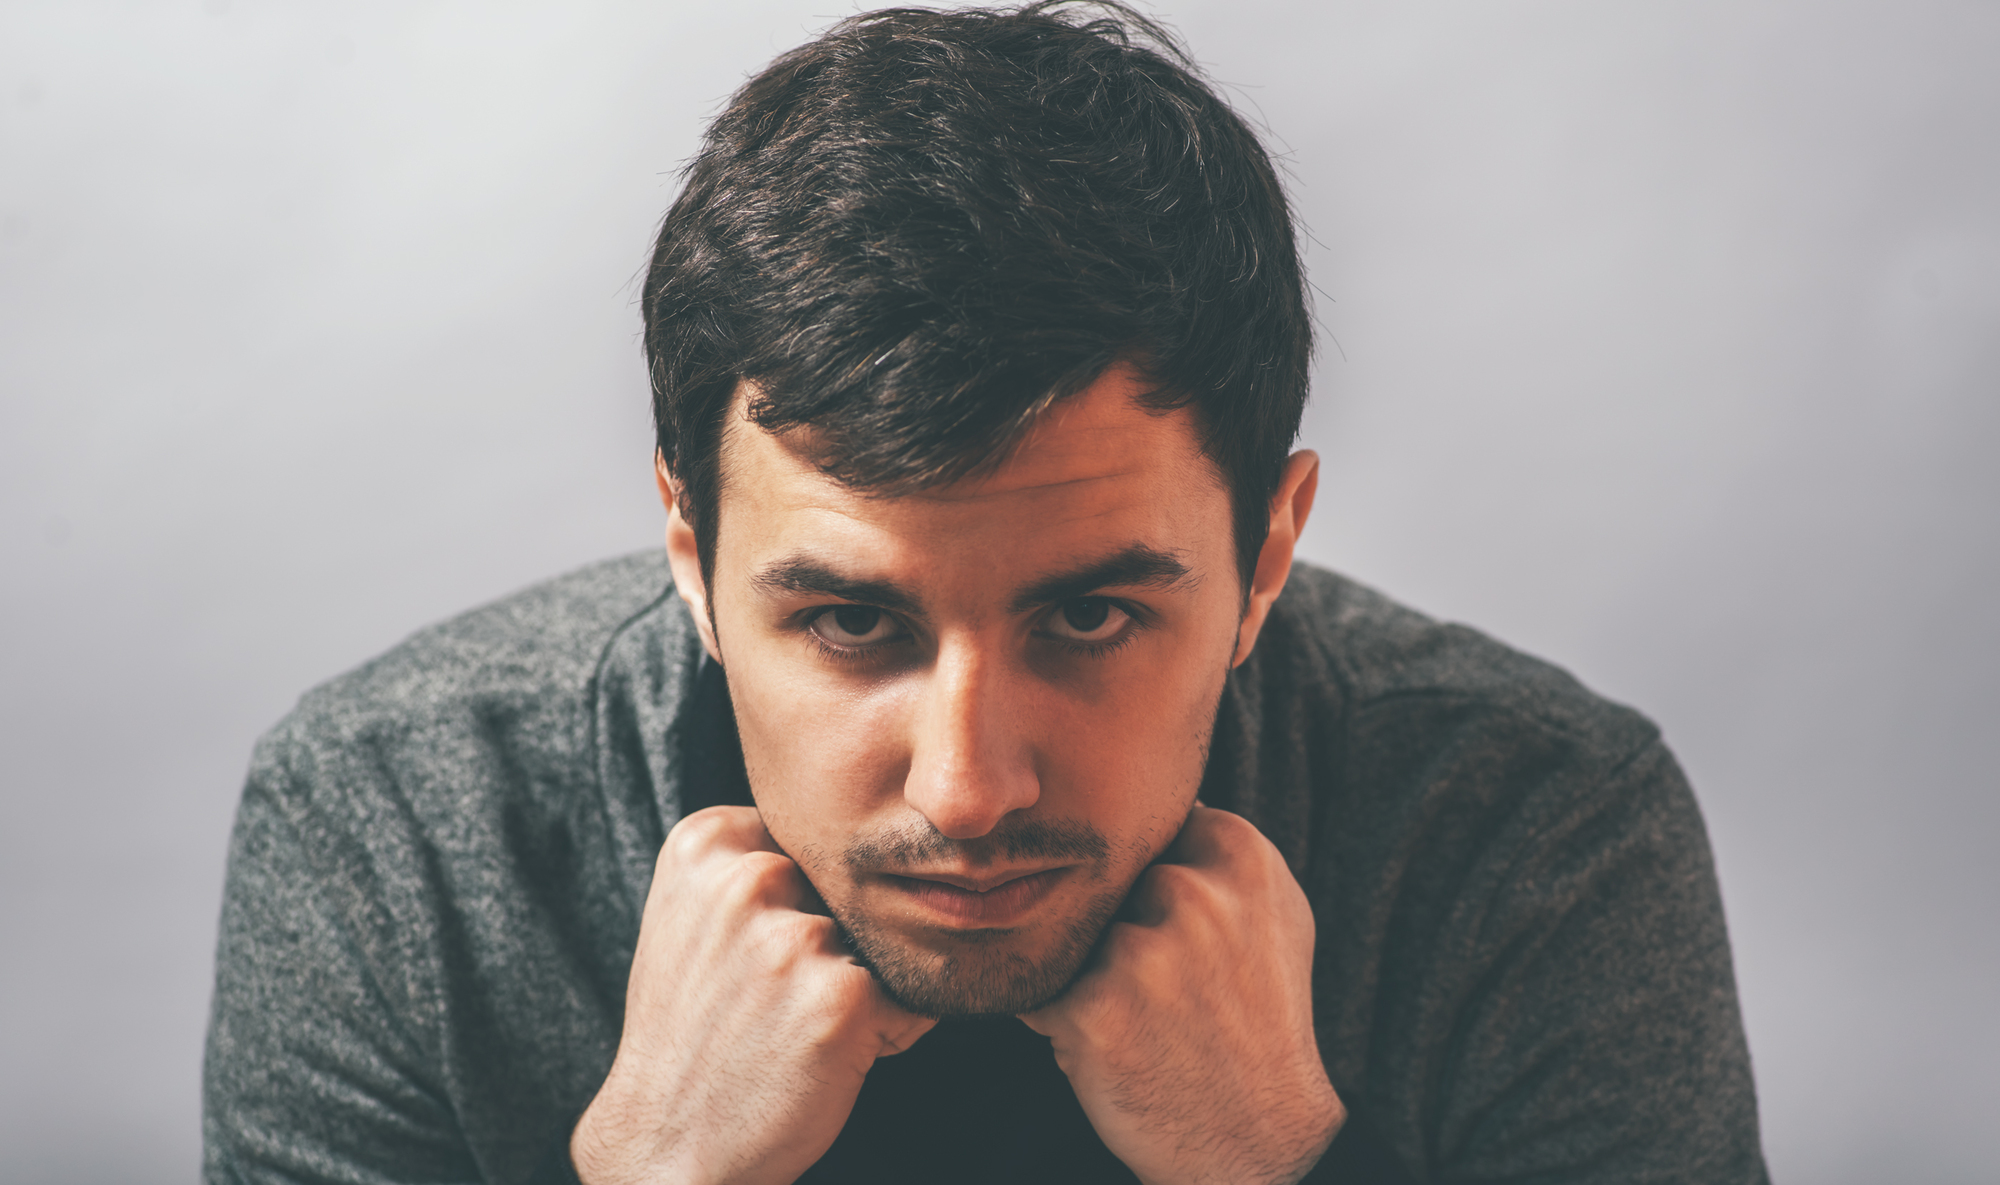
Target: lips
[[952, 902]]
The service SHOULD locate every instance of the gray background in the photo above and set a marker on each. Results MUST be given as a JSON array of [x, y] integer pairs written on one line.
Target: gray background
[[1666, 349]]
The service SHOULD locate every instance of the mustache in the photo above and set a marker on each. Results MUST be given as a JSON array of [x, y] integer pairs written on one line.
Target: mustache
[[1014, 839]]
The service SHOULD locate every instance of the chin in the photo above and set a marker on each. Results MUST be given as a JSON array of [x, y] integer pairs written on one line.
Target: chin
[[980, 973]]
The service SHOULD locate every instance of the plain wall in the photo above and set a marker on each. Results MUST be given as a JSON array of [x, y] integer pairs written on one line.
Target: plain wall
[[1661, 340]]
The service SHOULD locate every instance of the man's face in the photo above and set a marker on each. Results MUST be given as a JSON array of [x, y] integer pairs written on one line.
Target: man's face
[[973, 715]]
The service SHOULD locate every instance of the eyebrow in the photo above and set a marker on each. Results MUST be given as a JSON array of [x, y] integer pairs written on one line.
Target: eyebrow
[[1134, 566], [803, 575]]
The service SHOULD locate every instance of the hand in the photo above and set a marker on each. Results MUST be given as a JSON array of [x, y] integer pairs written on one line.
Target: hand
[[748, 1028], [1189, 1040]]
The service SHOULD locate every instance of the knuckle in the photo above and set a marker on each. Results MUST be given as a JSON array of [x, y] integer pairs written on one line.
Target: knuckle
[[849, 989], [691, 835], [1126, 943], [1209, 818], [1233, 826], [1239, 838], [806, 931], [1099, 1016], [842, 996], [1134, 955], [769, 949], [1179, 887], [755, 876], [786, 936], [712, 826], [764, 864]]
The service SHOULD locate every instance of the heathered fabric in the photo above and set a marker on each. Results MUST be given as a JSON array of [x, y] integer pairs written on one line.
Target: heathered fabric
[[438, 866]]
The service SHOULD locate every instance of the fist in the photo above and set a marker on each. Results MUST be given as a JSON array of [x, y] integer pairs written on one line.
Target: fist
[[1190, 1041], [748, 1028]]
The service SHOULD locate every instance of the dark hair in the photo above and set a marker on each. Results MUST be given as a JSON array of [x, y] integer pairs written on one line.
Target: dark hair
[[919, 230]]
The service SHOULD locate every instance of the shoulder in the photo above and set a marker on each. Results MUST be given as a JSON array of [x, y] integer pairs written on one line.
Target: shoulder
[[1384, 657], [1522, 956], [544, 637], [461, 772], [428, 887], [1363, 732], [502, 691], [1448, 778]]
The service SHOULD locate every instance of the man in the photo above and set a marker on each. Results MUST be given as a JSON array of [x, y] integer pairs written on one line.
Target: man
[[980, 792]]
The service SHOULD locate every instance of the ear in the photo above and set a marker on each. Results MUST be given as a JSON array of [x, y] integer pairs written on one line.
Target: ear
[[684, 557], [1289, 508]]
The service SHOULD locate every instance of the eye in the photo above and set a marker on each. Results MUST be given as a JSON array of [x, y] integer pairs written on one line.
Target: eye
[[854, 627], [1087, 619]]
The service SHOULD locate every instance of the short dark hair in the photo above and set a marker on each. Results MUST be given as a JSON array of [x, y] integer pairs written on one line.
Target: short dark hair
[[917, 231]]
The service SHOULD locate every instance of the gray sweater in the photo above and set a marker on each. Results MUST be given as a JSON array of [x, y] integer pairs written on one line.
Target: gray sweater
[[438, 866]]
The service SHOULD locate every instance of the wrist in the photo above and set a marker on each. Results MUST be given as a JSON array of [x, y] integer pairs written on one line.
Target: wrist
[[606, 1148], [596, 1160], [1280, 1147], [1315, 1134]]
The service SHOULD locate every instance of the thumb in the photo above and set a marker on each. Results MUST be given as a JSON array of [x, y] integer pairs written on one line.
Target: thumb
[[896, 1028], [1051, 1020]]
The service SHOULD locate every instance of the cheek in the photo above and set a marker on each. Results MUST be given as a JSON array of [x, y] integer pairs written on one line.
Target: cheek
[[822, 759], [1131, 758]]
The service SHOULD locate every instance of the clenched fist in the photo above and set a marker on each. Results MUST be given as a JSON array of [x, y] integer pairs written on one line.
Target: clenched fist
[[748, 1028], [1189, 1040]]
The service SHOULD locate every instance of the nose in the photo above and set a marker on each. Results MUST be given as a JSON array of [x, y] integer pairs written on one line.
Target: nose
[[970, 761]]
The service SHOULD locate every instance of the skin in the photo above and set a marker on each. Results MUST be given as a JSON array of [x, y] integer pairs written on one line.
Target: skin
[[974, 720]]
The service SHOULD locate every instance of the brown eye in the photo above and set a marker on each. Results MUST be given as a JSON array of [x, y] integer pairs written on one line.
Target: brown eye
[[1087, 614], [857, 619], [1087, 619], [854, 626]]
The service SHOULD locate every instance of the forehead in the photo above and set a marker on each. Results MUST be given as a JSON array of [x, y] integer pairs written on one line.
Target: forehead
[[1097, 468]]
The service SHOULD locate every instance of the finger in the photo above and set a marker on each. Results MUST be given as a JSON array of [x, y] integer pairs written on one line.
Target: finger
[[811, 902], [1061, 1017], [1045, 1020], [735, 828], [1212, 838], [895, 1027], [1166, 892], [1197, 842], [907, 1031], [1145, 905], [1059, 1023], [765, 880]]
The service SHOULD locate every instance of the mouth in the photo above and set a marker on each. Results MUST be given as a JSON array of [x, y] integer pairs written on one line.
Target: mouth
[[970, 903]]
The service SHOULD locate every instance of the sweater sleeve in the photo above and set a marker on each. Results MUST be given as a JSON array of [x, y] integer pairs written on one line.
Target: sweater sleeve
[[1595, 1036], [316, 1061]]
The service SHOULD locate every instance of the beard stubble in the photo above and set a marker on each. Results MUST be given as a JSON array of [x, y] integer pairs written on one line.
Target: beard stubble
[[977, 973]]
